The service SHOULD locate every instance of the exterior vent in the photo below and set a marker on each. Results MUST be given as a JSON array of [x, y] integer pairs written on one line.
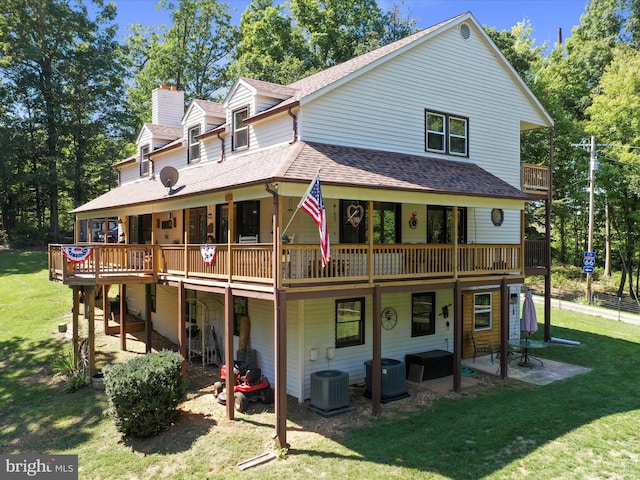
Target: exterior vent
[[329, 389], [465, 31], [394, 383]]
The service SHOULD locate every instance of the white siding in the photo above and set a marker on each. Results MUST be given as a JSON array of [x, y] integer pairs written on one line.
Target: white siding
[[165, 318], [319, 334], [384, 109], [167, 107]]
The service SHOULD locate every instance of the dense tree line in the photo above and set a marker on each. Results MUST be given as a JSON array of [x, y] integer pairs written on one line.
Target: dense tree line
[[72, 97]]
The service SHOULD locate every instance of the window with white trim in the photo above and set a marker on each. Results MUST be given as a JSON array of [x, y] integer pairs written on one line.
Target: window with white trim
[[349, 322], [144, 160], [482, 311], [194, 144], [445, 133], [240, 137]]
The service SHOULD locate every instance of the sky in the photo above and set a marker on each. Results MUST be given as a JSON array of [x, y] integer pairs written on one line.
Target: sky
[[545, 16]]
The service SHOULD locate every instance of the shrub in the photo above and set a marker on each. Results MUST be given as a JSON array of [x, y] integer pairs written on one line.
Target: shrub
[[144, 392], [64, 365]]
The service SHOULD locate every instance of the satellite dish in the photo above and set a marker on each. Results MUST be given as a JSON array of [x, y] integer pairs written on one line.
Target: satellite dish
[[169, 177]]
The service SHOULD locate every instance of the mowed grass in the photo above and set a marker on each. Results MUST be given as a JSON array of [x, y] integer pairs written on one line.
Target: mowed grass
[[585, 427]]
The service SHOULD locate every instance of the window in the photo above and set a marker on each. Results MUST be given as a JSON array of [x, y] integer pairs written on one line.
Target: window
[[446, 134], [354, 223], [240, 129], [248, 218], [194, 144], [349, 322], [386, 227], [440, 224], [423, 314], [222, 223], [144, 160], [482, 311]]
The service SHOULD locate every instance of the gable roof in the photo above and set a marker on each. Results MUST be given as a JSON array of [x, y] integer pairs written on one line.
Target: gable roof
[[160, 131], [212, 109], [298, 163], [314, 85]]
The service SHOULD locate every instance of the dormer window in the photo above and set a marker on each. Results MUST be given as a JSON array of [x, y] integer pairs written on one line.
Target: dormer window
[[240, 129], [194, 144], [144, 160], [446, 133]]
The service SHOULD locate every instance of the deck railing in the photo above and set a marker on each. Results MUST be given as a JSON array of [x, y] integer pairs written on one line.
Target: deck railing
[[99, 262], [301, 264], [535, 179]]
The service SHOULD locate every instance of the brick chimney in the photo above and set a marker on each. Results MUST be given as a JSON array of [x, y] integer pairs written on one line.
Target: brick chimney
[[167, 106]]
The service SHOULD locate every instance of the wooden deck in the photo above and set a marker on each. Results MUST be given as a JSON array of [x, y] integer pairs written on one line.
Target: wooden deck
[[300, 266]]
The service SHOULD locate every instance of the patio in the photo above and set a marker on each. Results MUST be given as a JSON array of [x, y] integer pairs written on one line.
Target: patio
[[550, 372]]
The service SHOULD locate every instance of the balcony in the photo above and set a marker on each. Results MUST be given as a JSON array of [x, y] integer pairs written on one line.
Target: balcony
[[301, 265], [536, 179]]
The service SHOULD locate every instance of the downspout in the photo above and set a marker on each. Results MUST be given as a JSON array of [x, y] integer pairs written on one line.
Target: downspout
[[295, 125], [221, 159]]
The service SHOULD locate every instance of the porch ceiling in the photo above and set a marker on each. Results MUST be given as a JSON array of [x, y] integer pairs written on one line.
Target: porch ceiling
[[300, 161]]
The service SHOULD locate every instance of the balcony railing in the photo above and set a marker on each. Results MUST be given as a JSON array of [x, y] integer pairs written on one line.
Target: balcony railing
[[301, 264], [535, 179]]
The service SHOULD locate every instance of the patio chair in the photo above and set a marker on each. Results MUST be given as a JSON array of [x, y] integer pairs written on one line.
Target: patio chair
[[481, 347]]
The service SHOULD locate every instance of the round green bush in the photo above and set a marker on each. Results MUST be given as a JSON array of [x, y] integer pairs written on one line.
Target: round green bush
[[144, 392]]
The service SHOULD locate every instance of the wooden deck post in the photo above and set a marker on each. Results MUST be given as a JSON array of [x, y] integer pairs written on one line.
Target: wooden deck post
[[147, 324], [457, 337], [106, 308], [281, 368], [74, 321], [91, 298], [228, 348], [182, 325], [376, 362], [504, 327], [123, 316]]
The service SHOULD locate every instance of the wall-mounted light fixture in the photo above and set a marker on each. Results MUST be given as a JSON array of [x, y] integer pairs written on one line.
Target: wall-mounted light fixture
[[331, 352], [290, 209], [170, 216]]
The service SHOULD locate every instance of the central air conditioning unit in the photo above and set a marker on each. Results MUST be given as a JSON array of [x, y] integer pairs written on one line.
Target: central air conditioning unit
[[329, 390], [394, 383]]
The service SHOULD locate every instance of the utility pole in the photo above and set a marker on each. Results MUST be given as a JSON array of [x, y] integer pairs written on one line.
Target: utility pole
[[592, 180]]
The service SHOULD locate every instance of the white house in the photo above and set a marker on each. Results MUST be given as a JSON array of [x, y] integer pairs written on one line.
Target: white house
[[417, 146]]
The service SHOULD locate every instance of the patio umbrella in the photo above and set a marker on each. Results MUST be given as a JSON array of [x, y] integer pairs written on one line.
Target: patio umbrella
[[529, 320]]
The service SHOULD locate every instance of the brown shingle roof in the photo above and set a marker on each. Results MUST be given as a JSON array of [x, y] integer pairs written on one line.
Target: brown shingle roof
[[163, 131], [300, 161], [211, 108]]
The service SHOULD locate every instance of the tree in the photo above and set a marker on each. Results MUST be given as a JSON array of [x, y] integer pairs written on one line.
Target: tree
[[189, 55], [57, 67], [614, 118], [270, 47]]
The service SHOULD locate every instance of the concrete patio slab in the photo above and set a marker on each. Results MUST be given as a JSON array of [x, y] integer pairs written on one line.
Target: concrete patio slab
[[551, 371]]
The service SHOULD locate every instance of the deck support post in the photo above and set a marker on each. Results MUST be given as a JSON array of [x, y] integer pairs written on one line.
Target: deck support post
[[147, 324], [457, 337], [74, 321], [504, 327], [182, 325], [281, 369], [91, 299], [376, 362], [228, 348], [123, 316]]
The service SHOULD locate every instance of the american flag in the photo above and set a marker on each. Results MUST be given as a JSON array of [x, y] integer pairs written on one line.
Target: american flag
[[313, 204]]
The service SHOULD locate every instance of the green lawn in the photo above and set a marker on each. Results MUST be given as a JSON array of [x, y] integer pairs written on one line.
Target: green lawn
[[584, 427]]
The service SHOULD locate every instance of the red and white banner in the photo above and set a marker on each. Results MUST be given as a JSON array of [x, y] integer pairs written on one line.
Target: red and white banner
[[208, 253], [77, 254]]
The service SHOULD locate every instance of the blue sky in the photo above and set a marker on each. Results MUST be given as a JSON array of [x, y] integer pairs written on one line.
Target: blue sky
[[545, 16]]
